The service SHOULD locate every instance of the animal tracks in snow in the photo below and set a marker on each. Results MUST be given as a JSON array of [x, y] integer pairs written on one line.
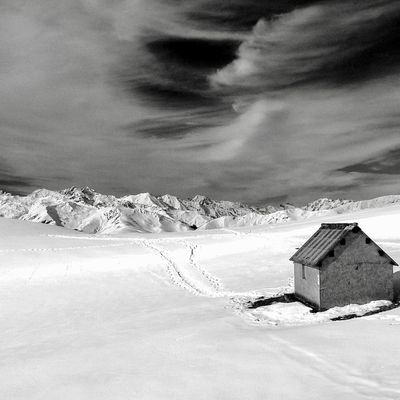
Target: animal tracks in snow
[[215, 282]]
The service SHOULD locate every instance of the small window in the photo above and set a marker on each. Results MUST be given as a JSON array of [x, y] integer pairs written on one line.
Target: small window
[[343, 241], [331, 253], [381, 252], [303, 271], [367, 240]]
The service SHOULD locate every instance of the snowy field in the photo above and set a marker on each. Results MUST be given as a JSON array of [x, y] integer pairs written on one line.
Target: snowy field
[[161, 316]]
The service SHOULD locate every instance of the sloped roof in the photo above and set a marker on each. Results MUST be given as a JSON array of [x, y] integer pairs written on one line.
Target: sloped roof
[[323, 241]]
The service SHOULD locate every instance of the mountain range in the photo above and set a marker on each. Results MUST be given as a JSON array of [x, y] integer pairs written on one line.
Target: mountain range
[[85, 210]]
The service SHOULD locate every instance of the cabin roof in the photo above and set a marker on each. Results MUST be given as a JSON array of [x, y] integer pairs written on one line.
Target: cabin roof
[[316, 248]]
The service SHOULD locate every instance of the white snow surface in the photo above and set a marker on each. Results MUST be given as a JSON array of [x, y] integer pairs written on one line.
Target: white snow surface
[[163, 316], [296, 313]]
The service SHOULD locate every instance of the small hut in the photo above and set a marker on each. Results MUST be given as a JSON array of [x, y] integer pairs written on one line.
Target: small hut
[[341, 265]]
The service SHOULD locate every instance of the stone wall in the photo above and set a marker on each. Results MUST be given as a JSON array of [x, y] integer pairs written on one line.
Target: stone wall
[[355, 274], [307, 289]]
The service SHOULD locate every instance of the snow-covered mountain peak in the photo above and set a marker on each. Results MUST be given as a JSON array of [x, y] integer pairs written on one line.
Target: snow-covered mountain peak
[[86, 210], [172, 201], [200, 199], [326, 204], [142, 199], [80, 194], [41, 194]]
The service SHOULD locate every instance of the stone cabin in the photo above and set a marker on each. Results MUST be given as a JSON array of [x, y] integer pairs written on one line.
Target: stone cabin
[[341, 265]]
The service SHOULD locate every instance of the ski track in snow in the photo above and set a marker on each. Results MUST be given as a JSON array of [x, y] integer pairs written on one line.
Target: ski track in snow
[[236, 233], [184, 272], [42, 249], [222, 233], [337, 372], [392, 318], [189, 275]]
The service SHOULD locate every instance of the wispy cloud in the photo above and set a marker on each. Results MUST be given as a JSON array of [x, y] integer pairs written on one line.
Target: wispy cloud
[[58, 106], [328, 42], [126, 96]]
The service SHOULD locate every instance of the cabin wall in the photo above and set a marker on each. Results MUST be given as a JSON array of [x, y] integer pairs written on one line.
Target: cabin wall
[[356, 274], [307, 288]]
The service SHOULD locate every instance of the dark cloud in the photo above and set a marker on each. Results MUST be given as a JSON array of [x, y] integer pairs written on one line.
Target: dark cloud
[[377, 53], [177, 125], [161, 78], [327, 43], [155, 95], [391, 121], [164, 128], [387, 163], [194, 52], [273, 200], [177, 70], [13, 183], [169, 95], [241, 15]]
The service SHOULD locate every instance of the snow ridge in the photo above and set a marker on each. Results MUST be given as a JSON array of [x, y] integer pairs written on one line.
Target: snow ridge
[[85, 210]]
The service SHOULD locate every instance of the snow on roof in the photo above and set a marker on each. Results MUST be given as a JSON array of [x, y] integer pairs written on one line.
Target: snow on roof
[[324, 240]]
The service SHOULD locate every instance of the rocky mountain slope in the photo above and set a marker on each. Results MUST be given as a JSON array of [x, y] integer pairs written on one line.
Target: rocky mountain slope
[[85, 210]]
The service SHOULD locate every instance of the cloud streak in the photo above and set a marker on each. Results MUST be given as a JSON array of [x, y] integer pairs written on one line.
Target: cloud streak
[[294, 100], [324, 43]]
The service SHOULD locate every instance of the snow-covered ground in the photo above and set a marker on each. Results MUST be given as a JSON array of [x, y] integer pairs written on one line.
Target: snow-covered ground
[[161, 316]]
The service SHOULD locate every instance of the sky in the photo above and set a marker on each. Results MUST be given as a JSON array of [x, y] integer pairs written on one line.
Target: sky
[[248, 100]]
